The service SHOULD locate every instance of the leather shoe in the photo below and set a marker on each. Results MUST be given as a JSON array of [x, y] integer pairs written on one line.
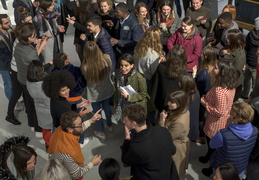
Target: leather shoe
[[207, 171], [13, 120], [203, 159]]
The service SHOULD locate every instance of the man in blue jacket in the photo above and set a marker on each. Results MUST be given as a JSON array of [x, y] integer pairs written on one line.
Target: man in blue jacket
[[101, 37], [6, 51], [128, 30]]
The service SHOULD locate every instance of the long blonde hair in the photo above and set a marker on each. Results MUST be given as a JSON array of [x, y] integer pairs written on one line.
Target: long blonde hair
[[95, 65], [151, 39]]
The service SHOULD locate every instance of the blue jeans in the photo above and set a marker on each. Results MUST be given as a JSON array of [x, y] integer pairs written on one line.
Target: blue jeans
[[105, 105], [7, 83]]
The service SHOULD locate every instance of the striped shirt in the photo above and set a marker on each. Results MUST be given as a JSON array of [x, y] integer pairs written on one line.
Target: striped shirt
[[219, 103], [74, 170]]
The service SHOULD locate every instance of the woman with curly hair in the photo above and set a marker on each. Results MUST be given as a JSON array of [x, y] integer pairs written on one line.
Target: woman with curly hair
[[56, 85], [96, 68], [143, 16], [166, 19], [177, 121], [235, 53], [148, 52], [218, 101], [166, 77]]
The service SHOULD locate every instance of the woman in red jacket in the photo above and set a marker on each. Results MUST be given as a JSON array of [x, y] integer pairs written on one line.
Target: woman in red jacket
[[189, 37]]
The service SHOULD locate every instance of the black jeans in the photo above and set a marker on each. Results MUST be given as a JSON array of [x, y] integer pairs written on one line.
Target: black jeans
[[16, 93]]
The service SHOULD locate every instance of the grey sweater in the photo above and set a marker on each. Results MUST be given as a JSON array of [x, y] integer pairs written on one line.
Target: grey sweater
[[24, 55]]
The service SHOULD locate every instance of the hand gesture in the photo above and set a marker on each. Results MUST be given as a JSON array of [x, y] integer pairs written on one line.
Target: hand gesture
[[204, 21], [96, 116], [83, 37], [83, 104], [199, 18], [163, 115], [96, 159], [203, 101], [61, 29], [124, 94], [114, 41], [84, 111], [127, 133], [70, 20]]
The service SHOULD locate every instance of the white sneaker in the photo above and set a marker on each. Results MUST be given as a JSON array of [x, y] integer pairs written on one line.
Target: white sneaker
[[99, 135], [86, 141], [32, 129], [38, 134]]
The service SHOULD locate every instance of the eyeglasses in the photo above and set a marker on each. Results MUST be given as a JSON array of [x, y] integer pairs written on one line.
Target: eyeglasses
[[79, 126]]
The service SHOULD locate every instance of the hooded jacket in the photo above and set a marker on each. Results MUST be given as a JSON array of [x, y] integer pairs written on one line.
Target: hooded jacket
[[252, 43], [234, 144]]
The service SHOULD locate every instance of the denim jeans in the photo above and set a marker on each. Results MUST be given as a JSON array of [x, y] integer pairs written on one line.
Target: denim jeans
[[105, 105], [7, 83]]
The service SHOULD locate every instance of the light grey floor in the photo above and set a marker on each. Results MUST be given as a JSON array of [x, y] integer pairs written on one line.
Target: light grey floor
[[107, 148]]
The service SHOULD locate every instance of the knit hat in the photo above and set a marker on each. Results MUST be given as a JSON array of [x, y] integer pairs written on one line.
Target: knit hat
[[257, 23]]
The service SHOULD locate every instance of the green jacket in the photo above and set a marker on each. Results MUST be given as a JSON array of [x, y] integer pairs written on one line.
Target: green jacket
[[138, 83]]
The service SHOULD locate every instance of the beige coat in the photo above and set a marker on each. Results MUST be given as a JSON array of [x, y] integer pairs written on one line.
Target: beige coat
[[179, 132]]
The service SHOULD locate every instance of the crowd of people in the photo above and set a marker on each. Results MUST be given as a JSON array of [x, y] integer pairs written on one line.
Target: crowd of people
[[170, 80]]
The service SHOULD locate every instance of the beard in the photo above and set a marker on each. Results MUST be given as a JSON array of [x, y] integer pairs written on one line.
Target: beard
[[77, 133]]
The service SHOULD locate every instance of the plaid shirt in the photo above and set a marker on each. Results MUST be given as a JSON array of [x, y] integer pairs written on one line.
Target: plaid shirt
[[219, 103]]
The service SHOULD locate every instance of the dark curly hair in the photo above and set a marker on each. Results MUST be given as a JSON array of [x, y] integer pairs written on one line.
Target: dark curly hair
[[54, 81]]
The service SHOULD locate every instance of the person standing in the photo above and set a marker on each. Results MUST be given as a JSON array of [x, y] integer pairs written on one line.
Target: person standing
[[149, 150], [64, 144], [200, 15], [128, 30], [6, 50]]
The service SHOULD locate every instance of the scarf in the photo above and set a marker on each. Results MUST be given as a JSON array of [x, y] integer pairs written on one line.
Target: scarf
[[63, 142], [162, 18]]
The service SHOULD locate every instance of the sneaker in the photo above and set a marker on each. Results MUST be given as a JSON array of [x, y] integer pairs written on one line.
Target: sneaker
[[38, 134], [100, 135], [86, 141], [109, 128], [13, 120], [32, 129]]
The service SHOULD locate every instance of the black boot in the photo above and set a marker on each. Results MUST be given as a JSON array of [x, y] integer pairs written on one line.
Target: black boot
[[13, 120], [204, 159], [207, 171]]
